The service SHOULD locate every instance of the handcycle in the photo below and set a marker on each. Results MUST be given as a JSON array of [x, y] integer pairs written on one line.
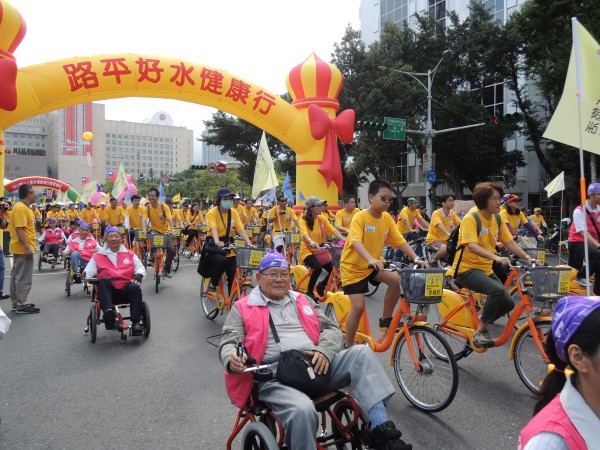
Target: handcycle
[[248, 259], [458, 320], [342, 419], [48, 258], [423, 362], [301, 274], [94, 318], [75, 277]]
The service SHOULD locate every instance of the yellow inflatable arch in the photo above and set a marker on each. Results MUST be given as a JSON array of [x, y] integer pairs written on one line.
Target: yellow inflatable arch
[[308, 125]]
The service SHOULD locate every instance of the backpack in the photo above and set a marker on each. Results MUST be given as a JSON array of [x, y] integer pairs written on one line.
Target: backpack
[[452, 246]]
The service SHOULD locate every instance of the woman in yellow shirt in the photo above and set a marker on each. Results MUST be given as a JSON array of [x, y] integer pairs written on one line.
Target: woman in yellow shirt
[[473, 261], [443, 222], [314, 228], [194, 218]]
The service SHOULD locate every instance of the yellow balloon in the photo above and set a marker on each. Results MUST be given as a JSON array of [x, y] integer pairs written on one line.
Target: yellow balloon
[[87, 136]]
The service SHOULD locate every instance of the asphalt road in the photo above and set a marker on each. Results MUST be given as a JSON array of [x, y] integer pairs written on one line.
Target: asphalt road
[[58, 390]]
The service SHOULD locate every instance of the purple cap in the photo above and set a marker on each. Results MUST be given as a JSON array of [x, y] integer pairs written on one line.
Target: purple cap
[[111, 229], [570, 312], [594, 188], [273, 259], [84, 225]]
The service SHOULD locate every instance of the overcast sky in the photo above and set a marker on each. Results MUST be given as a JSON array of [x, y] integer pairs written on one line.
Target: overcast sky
[[259, 40]]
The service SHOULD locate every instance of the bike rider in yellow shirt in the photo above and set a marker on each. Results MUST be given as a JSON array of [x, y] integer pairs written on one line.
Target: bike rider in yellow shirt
[[114, 215], [237, 205], [283, 219], [443, 221], [344, 216], [161, 221], [538, 219], [251, 212], [370, 229], [134, 215]]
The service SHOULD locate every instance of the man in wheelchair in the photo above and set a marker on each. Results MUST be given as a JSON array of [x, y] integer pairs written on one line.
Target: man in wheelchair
[[301, 325], [81, 249], [120, 274], [50, 240]]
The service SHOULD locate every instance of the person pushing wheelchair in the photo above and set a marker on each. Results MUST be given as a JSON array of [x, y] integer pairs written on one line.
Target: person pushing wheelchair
[[301, 324], [120, 274]]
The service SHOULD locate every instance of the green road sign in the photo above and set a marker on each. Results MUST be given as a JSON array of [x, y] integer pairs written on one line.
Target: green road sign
[[395, 130]]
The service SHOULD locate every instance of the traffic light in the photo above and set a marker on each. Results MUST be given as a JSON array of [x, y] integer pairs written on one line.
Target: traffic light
[[431, 193], [368, 125], [507, 119]]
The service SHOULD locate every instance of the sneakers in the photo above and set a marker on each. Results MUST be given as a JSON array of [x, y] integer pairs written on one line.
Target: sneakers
[[482, 338], [582, 282], [384, 323], [321, 290], [28, 308], [137, 329], [4, 296], [211, 289], [109, 319], [385, 437], [167, 274]]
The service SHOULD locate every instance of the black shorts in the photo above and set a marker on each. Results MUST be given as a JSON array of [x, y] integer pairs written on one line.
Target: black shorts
[[362, 286]]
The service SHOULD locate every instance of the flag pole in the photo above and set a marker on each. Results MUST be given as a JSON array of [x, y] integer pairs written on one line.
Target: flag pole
[[577, 50]]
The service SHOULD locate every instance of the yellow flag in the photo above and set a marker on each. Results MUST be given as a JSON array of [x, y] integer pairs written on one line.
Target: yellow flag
[[581, 85], [88, 190], [176, 198], [264, 172], [120, 182], [44, 201]]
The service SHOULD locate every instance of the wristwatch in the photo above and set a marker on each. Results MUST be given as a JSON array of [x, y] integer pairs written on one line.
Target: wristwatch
[[416, 260]]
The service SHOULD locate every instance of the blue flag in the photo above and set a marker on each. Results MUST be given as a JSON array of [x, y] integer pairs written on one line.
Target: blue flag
[[161, 193], [287, 188], [269, 196], [301, 196]]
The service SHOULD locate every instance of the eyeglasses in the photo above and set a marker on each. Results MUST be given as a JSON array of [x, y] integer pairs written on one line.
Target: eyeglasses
[[385, 199], [496, 199], [282, 201], [274, 275]]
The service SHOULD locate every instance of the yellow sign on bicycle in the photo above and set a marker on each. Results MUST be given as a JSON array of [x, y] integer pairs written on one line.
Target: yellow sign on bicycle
[[295, 238], [256, 230], [122, 230], [433, 284], [140, 235], [564, 281], [255, 257], [178, 232], [95, 226], [158, 241], [541, 257], [239, 243]]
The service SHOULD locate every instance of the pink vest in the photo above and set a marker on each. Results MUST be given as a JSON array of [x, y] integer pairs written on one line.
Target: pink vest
[[577, 237], [120, 275], [53, 236], [89, 245], [553, 418], [75, 234], [256, 324]]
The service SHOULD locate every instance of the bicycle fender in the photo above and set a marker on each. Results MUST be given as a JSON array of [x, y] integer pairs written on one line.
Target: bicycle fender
[[522, 330]]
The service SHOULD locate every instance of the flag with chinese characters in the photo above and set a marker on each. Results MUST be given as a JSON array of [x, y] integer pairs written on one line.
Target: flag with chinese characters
[[264, 171], [287, 188], [581, 85], [89, 189], [120, 182]]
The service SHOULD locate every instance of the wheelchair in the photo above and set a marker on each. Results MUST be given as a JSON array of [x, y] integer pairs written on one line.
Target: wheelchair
[[48, 258], [72, 279], [94, 317], [342, 421]]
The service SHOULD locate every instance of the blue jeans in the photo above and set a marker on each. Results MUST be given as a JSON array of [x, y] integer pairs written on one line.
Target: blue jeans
[[77, 261]]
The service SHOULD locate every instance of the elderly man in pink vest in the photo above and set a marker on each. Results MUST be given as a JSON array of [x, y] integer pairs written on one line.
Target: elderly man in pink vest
[[301, 325], [120, 274], [81, 249]]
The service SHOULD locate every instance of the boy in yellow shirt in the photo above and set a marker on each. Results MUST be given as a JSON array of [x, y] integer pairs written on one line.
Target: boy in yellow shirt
[[369, 231], [344, 216]]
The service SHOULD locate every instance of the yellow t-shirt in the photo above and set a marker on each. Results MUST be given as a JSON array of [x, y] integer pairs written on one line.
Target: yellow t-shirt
[[252, 214], [450, 222], [343, 217], [21, 216], [194, 219], [284, 221], [513, 220], [315, 234], [135, 216], [159, 217], [177, 217], [88, 215], [372, 233], [411, 215], [72, 214], [214, 218], [52, 215], [538, 220], [241, 210], [487, 239], [101, 212], [115, 216], [37, 215]]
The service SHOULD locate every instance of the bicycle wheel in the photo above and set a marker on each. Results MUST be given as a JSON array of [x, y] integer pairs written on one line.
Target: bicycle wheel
[[258, 437], [68, 284], [563, 256], [330, 313], [432, 384], [146, 318], [529, 362], [93, 323], [144, 257], [245, 290], [210, 306], [175, 264], [345, 414], [459, 346]]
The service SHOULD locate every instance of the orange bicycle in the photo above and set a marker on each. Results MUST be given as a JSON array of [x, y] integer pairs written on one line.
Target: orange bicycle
[[248, 259], [194, 247], [157, 243], [301, 274], [423, 362], [138, 246]]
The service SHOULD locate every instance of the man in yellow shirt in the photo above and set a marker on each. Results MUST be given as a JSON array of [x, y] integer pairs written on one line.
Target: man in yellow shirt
[[88, 214], [72, 213], [37, 217], [538, 219], [22, 245], [114, 215], [370, 229], [54, 213], [134, 215], [251, 212], [472, 265], [175, 214], [283, 219], [407, 217], [443, 221], [240, 209], [161, 221], [344, 216]]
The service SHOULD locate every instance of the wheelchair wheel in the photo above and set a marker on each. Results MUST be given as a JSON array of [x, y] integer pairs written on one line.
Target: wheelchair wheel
[[345, 414], [68, 284], [146, 318], [93, 323], [210, 306], [257, 436], [176, 261], [40, 261]]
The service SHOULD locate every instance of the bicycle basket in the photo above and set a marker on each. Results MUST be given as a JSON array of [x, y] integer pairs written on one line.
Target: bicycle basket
[[550, 283], [139, 235], [249, 257], [158, 240], [538, 254], [177, 232], [336, 255], [422, 286]]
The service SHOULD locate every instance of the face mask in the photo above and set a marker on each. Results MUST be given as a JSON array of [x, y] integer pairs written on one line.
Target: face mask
[[227, 204]]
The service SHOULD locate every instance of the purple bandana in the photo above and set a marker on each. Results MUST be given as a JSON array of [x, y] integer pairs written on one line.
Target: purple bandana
[[273, 259], [570, 312], [84, 225], [111, 230]]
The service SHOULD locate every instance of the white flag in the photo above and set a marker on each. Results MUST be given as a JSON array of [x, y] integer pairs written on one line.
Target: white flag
[[88, 190], [264, 172], [556, 185], [120, 183]]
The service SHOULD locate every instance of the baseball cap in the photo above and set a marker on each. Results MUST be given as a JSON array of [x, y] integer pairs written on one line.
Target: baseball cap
[[224, 192], [313, 200], [570, 312], [411, 201], [594, 188], [537, 210], [273, 259], [512, 198], [168, 200], [237, 197]]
